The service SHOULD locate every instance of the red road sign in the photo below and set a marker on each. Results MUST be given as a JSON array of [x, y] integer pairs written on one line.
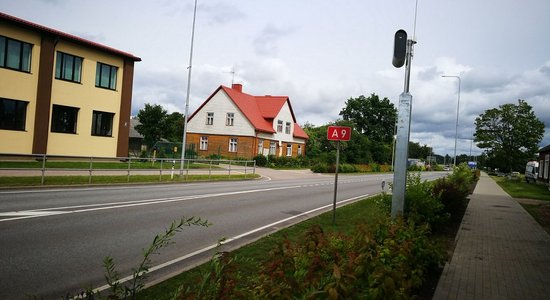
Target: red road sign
[[339, 133]]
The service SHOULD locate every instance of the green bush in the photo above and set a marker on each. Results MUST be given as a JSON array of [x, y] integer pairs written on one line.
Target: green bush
[[452, 196], [320, 168], [261, 160], [421, 204], [389, 261]]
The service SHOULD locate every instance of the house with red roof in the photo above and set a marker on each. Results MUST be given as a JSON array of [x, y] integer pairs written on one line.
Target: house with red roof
[[231, 123]]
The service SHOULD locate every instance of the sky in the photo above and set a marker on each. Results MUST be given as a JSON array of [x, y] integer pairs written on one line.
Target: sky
[[320, 53]]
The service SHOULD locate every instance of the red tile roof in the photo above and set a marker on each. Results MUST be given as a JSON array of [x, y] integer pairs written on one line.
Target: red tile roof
[[65, 36], [259, 110]]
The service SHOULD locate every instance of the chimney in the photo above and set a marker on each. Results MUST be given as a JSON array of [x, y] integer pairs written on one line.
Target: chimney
[[238, 87]]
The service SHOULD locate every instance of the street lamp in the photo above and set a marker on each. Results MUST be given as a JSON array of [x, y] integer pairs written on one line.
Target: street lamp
[[185, 118], [457, 109]]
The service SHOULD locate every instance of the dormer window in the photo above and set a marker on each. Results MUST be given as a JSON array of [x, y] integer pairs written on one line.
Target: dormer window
[[287, 128]]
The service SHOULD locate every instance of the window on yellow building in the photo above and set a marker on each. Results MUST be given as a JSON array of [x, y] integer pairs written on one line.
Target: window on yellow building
[[68, 67], [13, 114], [64, 118], [102, 123], [105, 76], [15, 55]]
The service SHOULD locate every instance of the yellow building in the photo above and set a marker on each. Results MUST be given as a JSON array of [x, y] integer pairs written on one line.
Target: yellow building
[[61, 94]]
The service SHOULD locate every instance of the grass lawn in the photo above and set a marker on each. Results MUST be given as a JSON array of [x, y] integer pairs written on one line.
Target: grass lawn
[[18, 181], [521, 189], [114, 165], [252, 255]]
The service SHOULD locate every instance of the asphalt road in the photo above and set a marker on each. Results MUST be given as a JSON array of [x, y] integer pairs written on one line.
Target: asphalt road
[[53, 241]]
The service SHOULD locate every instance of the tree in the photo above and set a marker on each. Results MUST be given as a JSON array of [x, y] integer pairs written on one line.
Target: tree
[[510, 135], [153, 123], [372, 117], [174, 127]]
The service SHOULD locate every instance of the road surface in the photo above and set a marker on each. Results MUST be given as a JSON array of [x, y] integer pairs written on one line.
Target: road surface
[[53, 241]]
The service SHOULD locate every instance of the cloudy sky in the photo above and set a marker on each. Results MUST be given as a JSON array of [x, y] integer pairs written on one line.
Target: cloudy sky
[[322, 52]]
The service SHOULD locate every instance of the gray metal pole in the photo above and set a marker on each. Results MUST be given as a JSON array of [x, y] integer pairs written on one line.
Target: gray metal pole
[[457, 113], [402, 142], [184, 139]]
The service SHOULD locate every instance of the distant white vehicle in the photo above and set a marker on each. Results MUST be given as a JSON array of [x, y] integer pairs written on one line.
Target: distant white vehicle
[[531, 171]]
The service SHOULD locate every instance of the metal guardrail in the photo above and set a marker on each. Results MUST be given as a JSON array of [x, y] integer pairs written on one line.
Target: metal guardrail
[[44, 165]]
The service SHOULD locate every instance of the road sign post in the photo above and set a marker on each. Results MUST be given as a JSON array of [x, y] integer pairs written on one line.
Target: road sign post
[[338, 134]]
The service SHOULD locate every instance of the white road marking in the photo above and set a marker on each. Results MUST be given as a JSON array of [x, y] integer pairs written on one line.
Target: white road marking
[[44, 212], [242, 235]]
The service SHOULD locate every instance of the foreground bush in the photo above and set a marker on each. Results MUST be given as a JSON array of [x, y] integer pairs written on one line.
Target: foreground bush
[[389, 260]]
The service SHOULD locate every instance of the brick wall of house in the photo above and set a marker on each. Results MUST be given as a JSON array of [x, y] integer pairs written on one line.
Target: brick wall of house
[[219, 144]]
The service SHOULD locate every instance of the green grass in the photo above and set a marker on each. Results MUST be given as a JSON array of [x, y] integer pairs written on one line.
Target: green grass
[[252, 255], [115, 165], [20, 181], [521, 189]]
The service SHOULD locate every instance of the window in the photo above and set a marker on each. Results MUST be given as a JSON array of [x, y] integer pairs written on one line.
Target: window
[[232, 145], [68, 67], [13, 114], [287, 128], [260, 146], [15, 54], [64, 119], [299, 150], [272, 148], [209, 118], [105, 76], [204, 143], [288, 149], [102, 123], [230, 119], [546, 165], [279, 126]]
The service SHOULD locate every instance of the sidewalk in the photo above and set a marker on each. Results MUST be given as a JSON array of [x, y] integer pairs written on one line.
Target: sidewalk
[[501, 251]]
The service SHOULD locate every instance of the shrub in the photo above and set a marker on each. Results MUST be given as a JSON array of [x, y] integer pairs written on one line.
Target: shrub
[[421, 204], [347, 168], [320, 168], [452, 196], [261, 160]]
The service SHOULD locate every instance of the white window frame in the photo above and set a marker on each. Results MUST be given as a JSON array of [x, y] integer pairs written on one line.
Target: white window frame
[[546, 165], [233, 142], [299, 150], [260, 146], [279, 125], [230, 119], [289, 149], [272, 148], [203, 143], [287, 128], [210, 118]]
